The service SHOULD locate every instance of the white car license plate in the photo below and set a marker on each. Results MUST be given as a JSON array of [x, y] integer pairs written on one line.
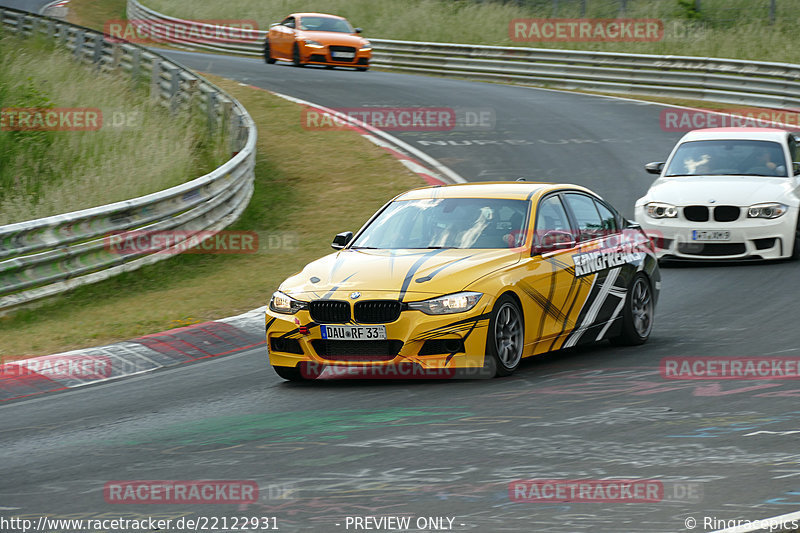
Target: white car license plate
[[706, 235], [354, 333], [343, 55]]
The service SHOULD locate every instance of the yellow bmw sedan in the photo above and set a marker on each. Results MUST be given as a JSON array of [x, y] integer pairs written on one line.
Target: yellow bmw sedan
[[466, 280]]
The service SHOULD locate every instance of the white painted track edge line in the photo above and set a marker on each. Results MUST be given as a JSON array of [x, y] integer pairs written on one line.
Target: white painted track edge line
[[453, 176]]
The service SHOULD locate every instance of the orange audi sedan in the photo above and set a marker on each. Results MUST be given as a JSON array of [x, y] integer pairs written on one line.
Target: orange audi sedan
[[317, 39]]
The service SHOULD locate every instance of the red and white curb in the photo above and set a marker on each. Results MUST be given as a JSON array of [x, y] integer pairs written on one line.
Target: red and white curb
[[57, 9], [29, 377]]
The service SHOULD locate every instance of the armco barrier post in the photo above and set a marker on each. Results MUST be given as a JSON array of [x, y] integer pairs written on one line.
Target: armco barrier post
[[211, 107], [155, 80], [233, 132], [190, 90], [27, 25], [116, 56], [80, 36], [174, 86], [136, 65], [98, 50], [225, 107], [63, 35]]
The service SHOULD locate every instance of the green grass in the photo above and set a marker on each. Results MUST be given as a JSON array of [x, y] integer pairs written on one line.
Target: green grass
[[724, 28], [46, 173], [96, 13]]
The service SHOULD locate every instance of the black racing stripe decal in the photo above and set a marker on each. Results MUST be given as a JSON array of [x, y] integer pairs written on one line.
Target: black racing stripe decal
[[413, 270], [433, 333], [296, 331], [336, 287], [432, 274], [271, 321], [445, 332], [593, 295], [574, 285], [550, 308], [544, 302], [290, 333], [452, 354], [566, 267]]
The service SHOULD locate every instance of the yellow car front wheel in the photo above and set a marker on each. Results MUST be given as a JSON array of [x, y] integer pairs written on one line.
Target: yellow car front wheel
[[506, 337]]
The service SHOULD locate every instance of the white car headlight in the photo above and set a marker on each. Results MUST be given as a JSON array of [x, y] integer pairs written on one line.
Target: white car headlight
[[283, 303], [768, 210], [659, 210], [312, 42], [444, 305], [366, 46]]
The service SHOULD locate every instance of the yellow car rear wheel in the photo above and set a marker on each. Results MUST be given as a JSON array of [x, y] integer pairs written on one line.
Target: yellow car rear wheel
[[637, 315]]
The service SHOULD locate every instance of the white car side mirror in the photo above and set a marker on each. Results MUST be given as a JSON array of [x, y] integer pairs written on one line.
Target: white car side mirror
[[655, 167]]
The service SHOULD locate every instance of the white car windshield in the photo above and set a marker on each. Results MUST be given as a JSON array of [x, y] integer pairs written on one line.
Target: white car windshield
[[728, 157], [447, 223]]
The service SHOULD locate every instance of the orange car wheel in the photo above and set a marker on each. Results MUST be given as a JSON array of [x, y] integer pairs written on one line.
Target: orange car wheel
[[296, 56], [268, 53]]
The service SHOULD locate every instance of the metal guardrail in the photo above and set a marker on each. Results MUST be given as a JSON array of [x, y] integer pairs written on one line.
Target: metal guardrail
[[732, 81], [51, 255]]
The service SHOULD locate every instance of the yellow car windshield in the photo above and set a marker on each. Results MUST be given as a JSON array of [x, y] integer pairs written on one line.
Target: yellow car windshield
[[447, 223]]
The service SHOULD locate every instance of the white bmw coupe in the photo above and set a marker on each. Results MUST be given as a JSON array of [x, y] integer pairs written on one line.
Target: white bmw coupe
[[726, 193]]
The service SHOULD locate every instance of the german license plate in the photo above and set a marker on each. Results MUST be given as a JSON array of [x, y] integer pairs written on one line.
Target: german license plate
[[354, 333], [706, 235], [343, 55]]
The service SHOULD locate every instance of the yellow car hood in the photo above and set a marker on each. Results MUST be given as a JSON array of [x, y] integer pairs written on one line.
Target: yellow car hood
[[401, 273]]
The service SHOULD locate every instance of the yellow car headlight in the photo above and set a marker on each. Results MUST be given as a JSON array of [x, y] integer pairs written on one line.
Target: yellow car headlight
[[283, 303], [445, 305]]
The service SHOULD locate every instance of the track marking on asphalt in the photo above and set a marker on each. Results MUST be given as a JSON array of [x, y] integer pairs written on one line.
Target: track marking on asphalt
[[448, 173], [648, 102]]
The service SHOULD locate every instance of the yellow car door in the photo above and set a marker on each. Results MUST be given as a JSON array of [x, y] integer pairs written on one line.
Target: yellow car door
[[554, 294]]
